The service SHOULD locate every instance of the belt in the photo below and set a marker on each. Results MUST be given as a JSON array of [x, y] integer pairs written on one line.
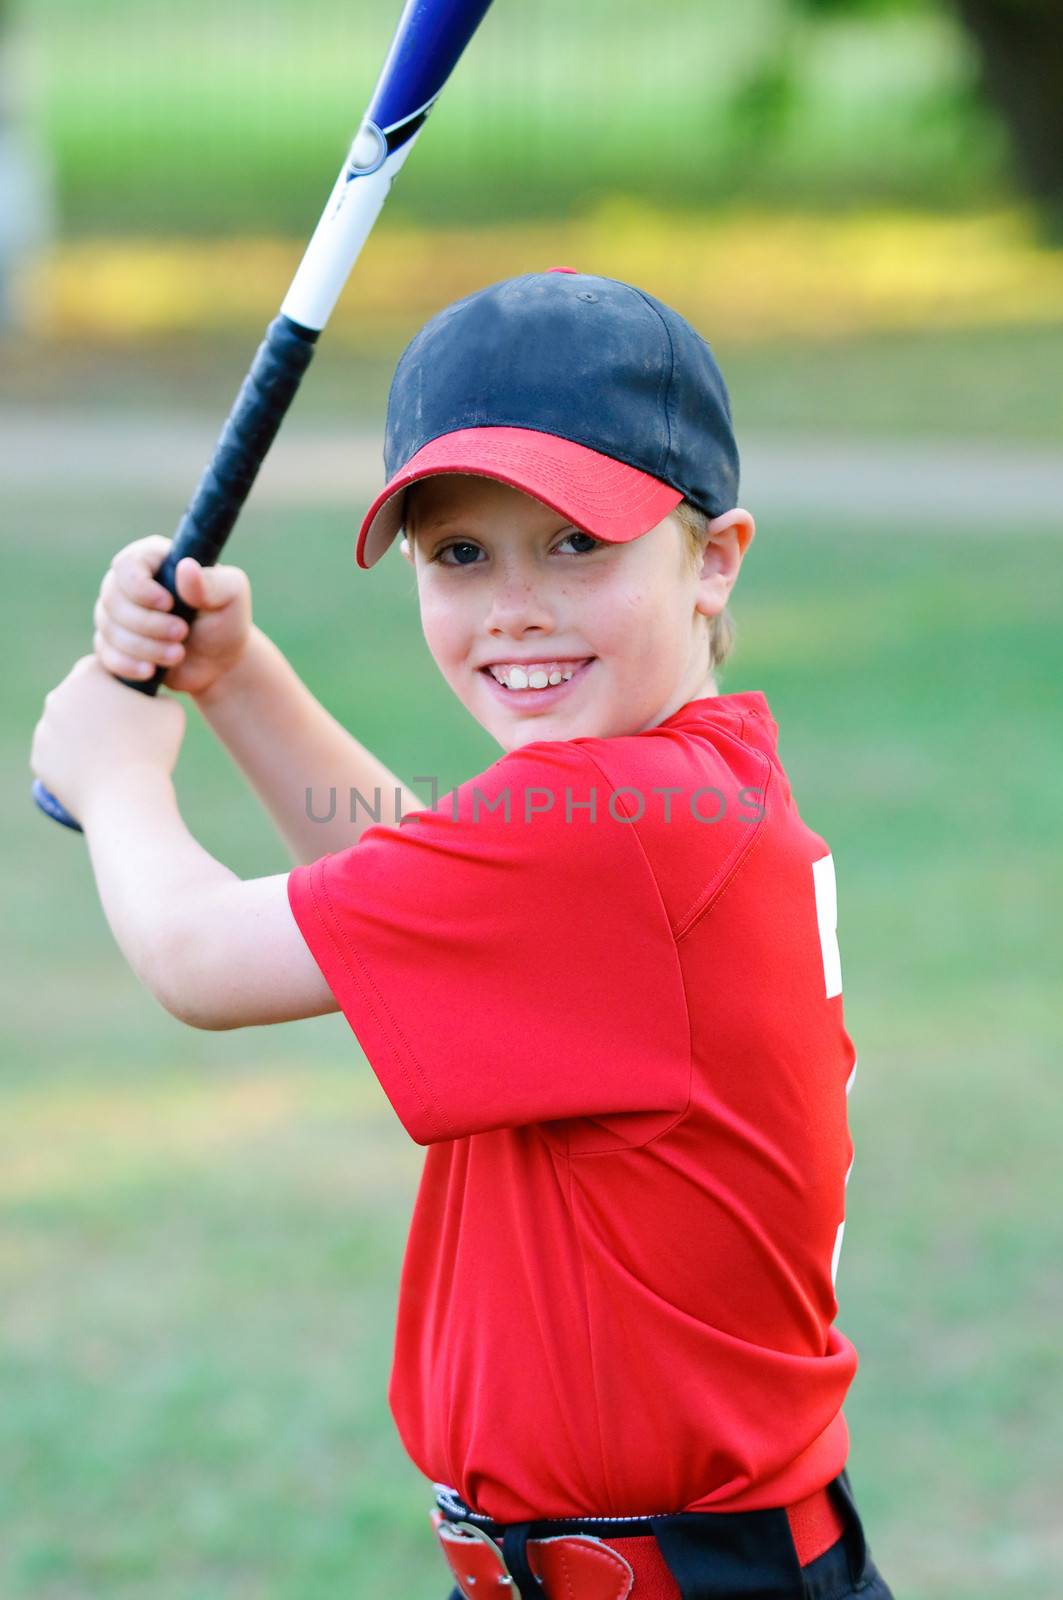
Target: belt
[[588, 1558]]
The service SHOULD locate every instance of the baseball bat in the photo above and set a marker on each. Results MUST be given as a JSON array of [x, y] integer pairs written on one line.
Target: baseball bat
[[428, 41]]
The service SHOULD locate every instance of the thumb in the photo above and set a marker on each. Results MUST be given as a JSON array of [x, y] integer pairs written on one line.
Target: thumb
[[205, 588], [188, 580]]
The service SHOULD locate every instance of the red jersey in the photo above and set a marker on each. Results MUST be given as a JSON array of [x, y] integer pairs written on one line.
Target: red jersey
[[601, 983]]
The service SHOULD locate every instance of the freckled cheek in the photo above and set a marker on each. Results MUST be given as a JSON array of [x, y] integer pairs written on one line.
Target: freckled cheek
[[640, 633], [446, 630], [633, 613]]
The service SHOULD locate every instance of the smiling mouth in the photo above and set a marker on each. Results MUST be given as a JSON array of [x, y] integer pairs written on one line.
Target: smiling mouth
[[531, 693]]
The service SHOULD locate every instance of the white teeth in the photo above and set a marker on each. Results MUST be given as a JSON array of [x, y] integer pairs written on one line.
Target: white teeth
[[515, 677]]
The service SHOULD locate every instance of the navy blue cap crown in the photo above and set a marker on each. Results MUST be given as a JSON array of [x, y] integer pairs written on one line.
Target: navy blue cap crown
[[588, 359]]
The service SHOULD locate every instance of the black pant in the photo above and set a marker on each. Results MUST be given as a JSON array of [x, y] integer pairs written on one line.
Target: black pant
[[732, 1555], [846, 1569]]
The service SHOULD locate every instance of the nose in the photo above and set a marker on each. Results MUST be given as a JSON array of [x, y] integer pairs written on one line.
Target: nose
[[518, 606]]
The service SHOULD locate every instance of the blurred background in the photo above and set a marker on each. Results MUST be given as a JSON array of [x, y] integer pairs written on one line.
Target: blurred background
[[860, 204]]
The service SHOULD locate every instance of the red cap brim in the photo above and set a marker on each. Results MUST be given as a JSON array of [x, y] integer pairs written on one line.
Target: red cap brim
[[604, 497]]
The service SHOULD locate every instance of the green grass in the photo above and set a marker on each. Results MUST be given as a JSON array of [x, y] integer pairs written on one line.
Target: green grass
[[203, 1232], [996, 384], [682, 104]]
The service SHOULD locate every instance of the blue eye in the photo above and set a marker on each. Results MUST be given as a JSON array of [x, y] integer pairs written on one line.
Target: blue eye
[[577, 533], [462, 544], [467, 544]]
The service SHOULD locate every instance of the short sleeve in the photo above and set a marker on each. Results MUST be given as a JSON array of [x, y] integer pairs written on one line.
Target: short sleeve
[[505, 957]]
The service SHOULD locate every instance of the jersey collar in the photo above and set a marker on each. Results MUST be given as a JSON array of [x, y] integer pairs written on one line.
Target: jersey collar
[[750, 708]]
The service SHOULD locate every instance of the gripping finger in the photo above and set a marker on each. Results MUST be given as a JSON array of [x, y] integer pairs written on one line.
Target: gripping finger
[[118, 648], [133, 573], [152, 549], [118, 662], [114, 614]]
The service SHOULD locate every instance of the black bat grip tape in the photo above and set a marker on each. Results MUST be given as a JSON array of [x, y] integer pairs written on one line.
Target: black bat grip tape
[[257, 413]]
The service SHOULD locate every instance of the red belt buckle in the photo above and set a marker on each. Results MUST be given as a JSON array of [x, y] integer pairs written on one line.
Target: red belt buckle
[[589, 1568], [571, 1564]]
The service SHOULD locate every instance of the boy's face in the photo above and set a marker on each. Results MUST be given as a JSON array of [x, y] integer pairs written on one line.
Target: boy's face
[[503, 579]]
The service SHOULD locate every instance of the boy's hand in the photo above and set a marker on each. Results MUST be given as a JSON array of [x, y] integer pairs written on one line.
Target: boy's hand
[[94, 729], [134, 628]]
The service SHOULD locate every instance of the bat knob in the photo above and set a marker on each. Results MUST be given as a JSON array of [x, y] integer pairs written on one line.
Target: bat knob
[[51, 807], [368, 151]]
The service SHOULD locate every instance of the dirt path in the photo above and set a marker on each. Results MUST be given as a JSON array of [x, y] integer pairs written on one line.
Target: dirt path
[[51, 452]]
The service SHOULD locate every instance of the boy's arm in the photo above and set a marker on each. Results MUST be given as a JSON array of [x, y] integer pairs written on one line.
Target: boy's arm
[[217, 952], [285, 742]]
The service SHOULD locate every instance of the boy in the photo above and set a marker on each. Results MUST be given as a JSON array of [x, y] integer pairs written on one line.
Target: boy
[[600, 981]]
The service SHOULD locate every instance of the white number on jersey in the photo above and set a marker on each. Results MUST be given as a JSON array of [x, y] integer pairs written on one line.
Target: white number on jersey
[[826, 888]]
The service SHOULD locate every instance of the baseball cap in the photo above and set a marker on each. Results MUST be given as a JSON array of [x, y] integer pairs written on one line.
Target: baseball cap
[[585, 392]]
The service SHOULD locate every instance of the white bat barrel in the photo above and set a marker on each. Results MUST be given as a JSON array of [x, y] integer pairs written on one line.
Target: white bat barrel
[[346, 223]]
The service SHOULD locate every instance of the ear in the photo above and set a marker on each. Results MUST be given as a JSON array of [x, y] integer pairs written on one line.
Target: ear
[[727, 540], [742, 523], [407, 553]]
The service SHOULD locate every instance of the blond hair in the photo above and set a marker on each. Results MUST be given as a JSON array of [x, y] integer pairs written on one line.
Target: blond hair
[[721, 628]]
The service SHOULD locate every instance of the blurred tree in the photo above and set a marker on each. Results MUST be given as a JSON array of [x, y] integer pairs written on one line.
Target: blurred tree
[[1020, 51], [1020, 45], [25, 186]]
